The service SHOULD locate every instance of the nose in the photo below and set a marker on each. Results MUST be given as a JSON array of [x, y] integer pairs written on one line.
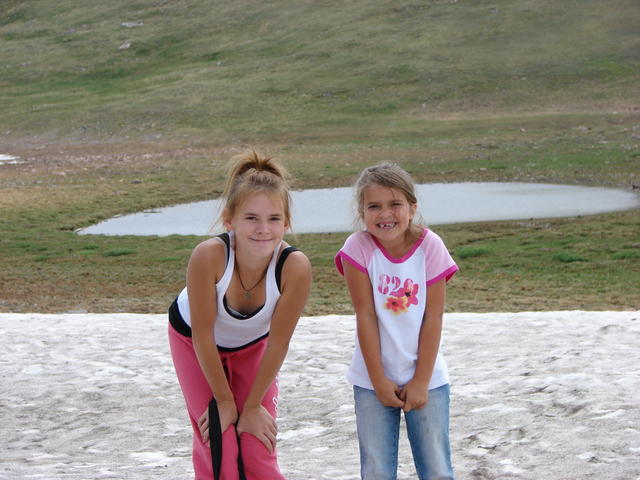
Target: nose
[[262, 226], [386, 212]]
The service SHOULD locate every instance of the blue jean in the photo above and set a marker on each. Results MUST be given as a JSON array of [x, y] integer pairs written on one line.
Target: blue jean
[[428, 431]]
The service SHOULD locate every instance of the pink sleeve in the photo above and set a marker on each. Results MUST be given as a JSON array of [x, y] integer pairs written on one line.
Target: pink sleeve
[[353, 251], [439, 263]]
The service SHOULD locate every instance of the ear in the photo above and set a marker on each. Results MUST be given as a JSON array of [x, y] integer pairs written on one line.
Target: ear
[[412, 211], [226, 219]]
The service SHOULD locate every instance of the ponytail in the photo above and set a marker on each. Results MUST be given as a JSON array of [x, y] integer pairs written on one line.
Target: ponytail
[[249, 173]]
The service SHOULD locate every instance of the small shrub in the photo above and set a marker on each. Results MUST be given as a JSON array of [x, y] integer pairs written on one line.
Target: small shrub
[[627, 255], [568, 257], [30, 247], [25, 245], [119, 252], [169, 259]]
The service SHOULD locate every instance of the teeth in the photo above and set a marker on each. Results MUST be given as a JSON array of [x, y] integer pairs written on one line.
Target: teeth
[[386, 225]]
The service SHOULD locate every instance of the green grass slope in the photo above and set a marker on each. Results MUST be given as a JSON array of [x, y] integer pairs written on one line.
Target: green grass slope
[[119, 106], [258, 69]]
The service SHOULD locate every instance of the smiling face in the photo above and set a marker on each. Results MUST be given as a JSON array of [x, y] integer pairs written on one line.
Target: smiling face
[[387, 214], [258, 223]]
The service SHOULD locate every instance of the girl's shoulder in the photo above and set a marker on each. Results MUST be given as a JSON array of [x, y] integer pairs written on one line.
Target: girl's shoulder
[[360, 244], [213, 246], [431, 240], [296, 267], [438, 261], [357, 250], [295, 258], [291, 254], [210, 254], [361, 239]]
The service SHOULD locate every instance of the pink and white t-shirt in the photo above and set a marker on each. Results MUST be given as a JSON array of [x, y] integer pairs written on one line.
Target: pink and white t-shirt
[[399, 288]]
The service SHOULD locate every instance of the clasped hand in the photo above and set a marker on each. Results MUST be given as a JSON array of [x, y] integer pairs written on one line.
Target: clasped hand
[[228, 414], [414, 395], [257, 421]]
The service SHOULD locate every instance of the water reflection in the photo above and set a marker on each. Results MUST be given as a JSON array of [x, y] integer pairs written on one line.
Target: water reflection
[[9, 159], [331, 210]]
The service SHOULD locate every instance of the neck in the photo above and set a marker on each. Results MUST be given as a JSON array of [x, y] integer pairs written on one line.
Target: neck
[[399, 247], [250, 263], [250, 267], [250, 279]]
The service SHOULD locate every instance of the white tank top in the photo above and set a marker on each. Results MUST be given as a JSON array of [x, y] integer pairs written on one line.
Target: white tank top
[[232, 332]]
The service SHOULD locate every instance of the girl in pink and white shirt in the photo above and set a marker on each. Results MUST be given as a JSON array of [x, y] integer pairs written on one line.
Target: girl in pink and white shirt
[[396, 272]]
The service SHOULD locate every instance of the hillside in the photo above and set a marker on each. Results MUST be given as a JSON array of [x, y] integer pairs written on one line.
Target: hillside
[[252, 70], [121, 106]]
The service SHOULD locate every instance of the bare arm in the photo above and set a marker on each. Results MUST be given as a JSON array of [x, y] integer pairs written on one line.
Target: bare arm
[[202, 274], [416, 391], [295, 285], [369, 335]]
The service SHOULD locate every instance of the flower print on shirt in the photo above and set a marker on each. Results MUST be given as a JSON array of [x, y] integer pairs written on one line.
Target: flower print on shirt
[[408, 290], [400, 297], [396, 304]]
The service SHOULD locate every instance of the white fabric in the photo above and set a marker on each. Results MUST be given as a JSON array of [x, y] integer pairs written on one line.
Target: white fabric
[[231, 332], [399, 319]]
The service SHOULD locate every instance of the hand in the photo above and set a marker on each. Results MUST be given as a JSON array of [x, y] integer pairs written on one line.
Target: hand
[[258, 422], [415, 394], [226, 411], [388, 393]]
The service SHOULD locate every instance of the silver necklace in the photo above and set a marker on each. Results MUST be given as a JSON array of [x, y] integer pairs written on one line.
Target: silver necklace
[[247, 291]]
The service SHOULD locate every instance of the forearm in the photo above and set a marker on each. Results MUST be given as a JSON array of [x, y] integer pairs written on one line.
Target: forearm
[[369, 339], [428, 346], [202, 273], [209, 360], [296, 285], [272, 360], [430, 331]]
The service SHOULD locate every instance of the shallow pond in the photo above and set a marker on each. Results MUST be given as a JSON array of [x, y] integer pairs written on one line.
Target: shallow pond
[[331, 210], [9, 159]]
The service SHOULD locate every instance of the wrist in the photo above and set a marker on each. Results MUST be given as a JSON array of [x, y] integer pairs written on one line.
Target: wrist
[[378, 382], [420, 380], [250, 411], [248, 406], [383, 384], [226, 401], [422, 374], [377, 375]]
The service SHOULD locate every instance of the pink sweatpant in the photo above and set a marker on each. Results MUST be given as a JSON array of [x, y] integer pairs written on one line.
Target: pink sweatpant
[[241, 367]]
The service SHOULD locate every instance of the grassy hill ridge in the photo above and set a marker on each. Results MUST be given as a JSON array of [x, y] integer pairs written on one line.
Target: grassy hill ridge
[[255, 70], [116, 107]]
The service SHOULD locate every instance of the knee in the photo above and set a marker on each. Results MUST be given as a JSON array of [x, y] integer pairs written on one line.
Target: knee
[[258, 462]]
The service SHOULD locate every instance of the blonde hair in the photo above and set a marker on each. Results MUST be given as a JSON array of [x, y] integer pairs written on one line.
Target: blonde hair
[[249, 173], [389, 175]]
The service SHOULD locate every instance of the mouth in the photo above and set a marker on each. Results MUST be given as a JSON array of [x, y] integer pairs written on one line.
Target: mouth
[[386, 225]]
